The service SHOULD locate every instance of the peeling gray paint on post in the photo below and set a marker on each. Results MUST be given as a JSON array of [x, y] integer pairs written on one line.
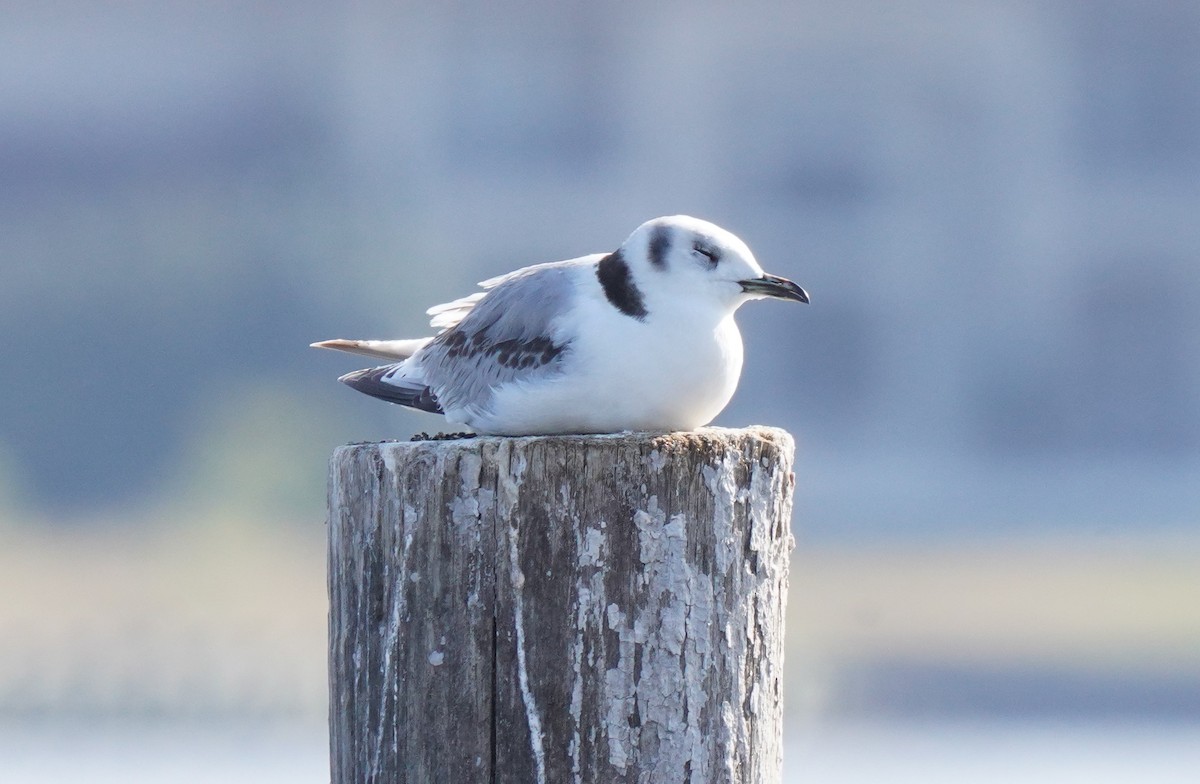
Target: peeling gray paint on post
[[560, 609]]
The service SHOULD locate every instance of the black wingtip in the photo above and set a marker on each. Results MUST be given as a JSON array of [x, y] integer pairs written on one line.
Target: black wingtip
[[371, 381]]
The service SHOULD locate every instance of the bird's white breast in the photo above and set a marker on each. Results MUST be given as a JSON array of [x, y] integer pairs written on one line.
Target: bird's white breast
[[673, 371]]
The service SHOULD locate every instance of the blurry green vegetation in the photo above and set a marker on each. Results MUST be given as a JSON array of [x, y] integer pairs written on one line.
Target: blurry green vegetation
[[198, 617], [1113, 607], [12, 492], [257, 452], [225, 616]]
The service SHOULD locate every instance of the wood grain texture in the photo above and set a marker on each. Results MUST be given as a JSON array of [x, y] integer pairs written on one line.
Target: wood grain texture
[[560, 608]]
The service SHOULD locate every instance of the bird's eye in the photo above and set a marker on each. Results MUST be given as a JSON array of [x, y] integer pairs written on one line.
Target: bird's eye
[[709, 254]]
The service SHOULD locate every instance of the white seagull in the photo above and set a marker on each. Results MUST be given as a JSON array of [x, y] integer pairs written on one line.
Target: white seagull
[[642, 338]]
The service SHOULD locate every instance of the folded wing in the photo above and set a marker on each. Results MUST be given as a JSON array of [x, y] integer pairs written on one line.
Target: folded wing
[[510, 332]]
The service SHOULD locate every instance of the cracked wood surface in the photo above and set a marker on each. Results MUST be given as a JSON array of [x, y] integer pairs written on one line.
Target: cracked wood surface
[[559, 608]]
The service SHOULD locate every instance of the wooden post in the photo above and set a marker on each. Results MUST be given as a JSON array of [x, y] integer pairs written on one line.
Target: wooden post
[[560, 608]]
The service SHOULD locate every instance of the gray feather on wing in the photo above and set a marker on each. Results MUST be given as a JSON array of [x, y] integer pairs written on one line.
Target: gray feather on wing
[[505, 334], [447, 315]]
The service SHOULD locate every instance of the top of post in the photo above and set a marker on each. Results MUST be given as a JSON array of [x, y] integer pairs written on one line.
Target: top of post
[[706, 440]]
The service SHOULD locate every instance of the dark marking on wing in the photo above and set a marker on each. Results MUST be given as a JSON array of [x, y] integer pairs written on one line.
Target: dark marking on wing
[[660, 243], [513, 353], [512, 333], [619, 288]]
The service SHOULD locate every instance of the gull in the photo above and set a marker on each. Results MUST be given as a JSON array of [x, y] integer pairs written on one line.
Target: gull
[[639, 339]]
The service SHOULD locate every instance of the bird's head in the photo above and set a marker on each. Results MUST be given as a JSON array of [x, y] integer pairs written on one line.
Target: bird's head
[[684, 259]]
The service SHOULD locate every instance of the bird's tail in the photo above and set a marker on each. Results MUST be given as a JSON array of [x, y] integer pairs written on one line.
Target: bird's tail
[[381, 349]]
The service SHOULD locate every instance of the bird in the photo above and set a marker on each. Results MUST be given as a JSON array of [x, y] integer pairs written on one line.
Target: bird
[[639, 339]]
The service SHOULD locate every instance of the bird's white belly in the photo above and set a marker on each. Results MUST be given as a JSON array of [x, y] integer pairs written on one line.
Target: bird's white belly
[[637, 377]]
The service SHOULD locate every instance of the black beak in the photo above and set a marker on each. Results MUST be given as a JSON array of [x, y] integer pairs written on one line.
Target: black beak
[[773, 286]]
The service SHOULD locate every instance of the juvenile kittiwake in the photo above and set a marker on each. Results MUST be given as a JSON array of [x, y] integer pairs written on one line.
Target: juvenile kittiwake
[[642, 338]]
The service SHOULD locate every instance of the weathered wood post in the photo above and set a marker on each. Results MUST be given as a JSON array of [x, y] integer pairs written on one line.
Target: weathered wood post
[[559, 609]]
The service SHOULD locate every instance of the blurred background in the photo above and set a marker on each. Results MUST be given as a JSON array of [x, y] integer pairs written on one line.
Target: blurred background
[[995, 393]]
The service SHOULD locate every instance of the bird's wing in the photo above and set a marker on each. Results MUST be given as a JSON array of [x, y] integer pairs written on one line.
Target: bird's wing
[[449, 314], [445, 316], [390, 383], [511, 332]]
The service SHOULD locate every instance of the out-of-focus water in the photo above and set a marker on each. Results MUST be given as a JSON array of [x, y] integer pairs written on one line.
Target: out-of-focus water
[[167, 753], [893, 752]]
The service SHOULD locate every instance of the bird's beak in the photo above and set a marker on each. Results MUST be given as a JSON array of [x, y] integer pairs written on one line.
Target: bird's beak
[[774, 286]]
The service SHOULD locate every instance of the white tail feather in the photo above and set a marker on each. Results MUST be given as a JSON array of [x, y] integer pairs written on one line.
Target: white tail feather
[[381, 349]]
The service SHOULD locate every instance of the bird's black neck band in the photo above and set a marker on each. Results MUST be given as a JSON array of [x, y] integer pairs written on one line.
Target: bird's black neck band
[[619, 287]]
